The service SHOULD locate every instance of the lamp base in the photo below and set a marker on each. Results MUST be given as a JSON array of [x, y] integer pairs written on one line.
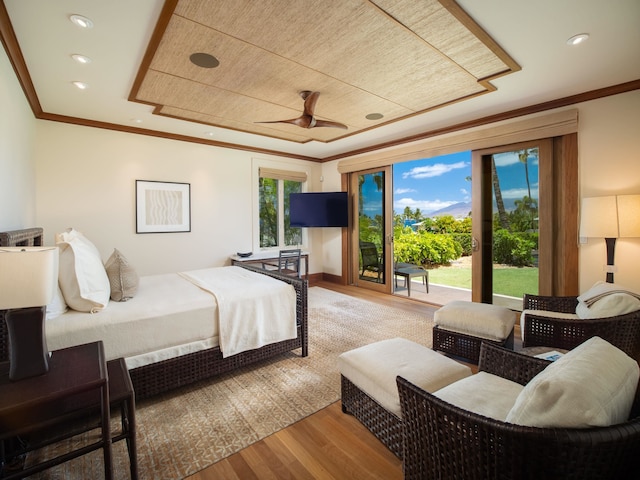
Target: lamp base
[[28, 353], [611, 253]]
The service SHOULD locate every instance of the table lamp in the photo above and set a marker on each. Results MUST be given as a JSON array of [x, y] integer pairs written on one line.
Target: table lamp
[[28, 280], [610, 217]]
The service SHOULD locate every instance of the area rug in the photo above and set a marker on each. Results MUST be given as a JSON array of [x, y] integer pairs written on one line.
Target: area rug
[[183, 432]]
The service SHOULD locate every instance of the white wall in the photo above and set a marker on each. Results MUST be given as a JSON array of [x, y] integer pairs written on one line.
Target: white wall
[[609, 153], [17, 167], [86, 180]]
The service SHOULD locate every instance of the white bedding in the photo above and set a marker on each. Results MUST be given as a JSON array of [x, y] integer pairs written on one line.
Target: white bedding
[[169, 316], [253, 309]]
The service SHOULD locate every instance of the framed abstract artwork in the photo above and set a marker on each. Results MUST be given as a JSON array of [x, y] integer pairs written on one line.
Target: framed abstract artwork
[[163, 207]]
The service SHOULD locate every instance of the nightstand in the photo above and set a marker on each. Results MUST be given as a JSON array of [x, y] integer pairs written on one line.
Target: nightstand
[[76, 375]]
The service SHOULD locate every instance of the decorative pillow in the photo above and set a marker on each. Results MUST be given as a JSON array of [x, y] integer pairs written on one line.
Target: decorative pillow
[[606, 300], [122, 277], [81, 276], [57, 306], [592, 385]]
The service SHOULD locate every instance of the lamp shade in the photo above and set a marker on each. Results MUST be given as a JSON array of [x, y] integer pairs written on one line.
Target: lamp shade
[[28, 276], [599, 217], [629, 215]]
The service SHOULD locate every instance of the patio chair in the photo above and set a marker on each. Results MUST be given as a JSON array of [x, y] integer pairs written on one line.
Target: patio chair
[[370, 259]]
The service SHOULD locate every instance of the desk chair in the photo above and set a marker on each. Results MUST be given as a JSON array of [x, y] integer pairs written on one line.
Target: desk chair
[[288, 262]]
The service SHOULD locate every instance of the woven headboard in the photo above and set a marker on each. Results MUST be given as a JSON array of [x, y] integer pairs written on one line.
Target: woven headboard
[[28, 237]]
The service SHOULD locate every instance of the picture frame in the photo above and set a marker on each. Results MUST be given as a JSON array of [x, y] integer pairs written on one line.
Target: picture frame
[[163, 207]]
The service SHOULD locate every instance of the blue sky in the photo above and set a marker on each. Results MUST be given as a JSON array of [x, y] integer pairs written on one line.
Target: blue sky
[[436, 183]]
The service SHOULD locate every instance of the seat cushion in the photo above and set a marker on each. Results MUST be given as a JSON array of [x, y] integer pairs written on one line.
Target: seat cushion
[[482, 393], [477, 319], [373, 368], [592, 385]]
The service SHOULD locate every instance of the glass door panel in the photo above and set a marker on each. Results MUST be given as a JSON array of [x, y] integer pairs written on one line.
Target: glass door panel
[[506, 241], [373, 247]]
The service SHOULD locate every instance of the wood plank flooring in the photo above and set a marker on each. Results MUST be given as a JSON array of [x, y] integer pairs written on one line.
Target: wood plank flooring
[[326, 445]]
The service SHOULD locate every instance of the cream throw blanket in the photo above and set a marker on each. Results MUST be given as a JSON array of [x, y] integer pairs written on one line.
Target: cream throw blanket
[[253, 309]]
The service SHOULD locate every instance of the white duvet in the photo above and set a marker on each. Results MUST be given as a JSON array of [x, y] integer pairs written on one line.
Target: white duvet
[[171, 316]]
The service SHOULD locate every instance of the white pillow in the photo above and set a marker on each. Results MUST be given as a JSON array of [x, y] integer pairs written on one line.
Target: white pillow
[[606, 300], [592, 385], [57, 306], [82, 277]]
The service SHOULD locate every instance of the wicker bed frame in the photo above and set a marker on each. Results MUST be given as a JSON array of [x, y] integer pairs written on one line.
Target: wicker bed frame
[[162, 376]]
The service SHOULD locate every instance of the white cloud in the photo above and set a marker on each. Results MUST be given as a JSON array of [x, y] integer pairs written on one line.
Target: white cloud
[[401, 191], [435, 170], [425, 206]]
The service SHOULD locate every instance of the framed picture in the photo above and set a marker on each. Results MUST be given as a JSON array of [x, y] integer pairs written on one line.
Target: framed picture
[[163, 207]]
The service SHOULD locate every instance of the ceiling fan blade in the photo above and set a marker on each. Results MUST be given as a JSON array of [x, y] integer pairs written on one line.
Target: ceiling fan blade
[[326, 123], [303, 121]]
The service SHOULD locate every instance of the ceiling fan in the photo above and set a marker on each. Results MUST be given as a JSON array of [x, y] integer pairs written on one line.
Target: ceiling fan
[[307, 120]]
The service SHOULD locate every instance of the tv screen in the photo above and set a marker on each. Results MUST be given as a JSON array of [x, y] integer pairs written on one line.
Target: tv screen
[[319, 209]]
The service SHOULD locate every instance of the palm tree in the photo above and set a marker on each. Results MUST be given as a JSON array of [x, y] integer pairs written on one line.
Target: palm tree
[[502, 213], [523, 156]]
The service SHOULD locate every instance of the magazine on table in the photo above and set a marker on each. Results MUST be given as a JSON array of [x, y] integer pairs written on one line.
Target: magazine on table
[[552, 356]]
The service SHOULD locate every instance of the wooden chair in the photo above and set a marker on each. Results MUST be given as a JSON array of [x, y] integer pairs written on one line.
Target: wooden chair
[[288, 262], [370, 259]]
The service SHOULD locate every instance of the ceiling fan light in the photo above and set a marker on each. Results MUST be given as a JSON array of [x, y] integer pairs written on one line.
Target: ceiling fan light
[[81, 21], [578, 39]]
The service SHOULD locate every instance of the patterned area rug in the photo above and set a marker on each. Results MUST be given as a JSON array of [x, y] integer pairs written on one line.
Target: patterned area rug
[[185, 431]]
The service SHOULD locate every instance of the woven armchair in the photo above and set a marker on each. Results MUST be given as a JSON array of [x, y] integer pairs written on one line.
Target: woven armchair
[[442, 441], [623, 331]]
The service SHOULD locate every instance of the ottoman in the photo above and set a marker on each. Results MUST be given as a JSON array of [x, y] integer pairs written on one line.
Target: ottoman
[[460, 328], [369, 391]]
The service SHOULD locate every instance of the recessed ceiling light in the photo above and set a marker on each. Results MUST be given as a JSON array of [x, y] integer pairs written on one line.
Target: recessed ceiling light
[[209, 134], [374, 116], [204, 60], [81, 58], [136, 120], [81, 21], [578, 39], [81, 85]]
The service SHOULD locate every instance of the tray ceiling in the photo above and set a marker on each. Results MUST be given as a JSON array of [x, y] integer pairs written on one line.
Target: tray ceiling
[[373, 62]]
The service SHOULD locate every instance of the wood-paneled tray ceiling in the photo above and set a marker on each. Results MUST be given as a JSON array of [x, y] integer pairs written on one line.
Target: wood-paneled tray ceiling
[[396, 58]]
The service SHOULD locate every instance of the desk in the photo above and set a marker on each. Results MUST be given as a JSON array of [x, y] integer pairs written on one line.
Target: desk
[[40, 402], [409, 271], [259, 257]]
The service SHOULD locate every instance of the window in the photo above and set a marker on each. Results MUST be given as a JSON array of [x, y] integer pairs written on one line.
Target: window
[[274, 189]]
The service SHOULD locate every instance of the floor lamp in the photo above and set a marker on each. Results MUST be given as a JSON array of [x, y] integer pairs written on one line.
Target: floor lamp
[[610, 217], [28, 279]]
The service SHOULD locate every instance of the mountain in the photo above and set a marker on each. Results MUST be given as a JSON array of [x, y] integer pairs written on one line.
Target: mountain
[[457, 210]]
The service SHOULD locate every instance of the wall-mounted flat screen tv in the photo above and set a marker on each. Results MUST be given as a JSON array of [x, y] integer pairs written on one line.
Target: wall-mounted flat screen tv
[[319, 209]]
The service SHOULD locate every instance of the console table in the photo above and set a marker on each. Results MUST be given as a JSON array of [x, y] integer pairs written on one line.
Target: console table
[[37, 403], [269, 256]]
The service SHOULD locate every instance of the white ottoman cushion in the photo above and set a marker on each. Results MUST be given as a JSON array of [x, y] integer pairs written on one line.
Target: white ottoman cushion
[[484, 394], [477, 319], [374, 368]]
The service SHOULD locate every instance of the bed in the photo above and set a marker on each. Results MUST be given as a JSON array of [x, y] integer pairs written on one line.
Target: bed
[[157, 361]]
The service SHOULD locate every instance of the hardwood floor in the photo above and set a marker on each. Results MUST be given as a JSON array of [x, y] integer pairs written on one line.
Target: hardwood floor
[[326, 445]]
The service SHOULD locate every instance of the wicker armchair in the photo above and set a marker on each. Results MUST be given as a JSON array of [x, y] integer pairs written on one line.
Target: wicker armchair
[[623, 331], [442, 441]]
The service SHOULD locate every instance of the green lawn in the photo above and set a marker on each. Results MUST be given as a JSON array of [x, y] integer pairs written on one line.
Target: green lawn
[[510, 281]]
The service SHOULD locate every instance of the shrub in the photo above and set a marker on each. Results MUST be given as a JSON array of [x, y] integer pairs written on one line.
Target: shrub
[[513, 248], [424, 248]]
